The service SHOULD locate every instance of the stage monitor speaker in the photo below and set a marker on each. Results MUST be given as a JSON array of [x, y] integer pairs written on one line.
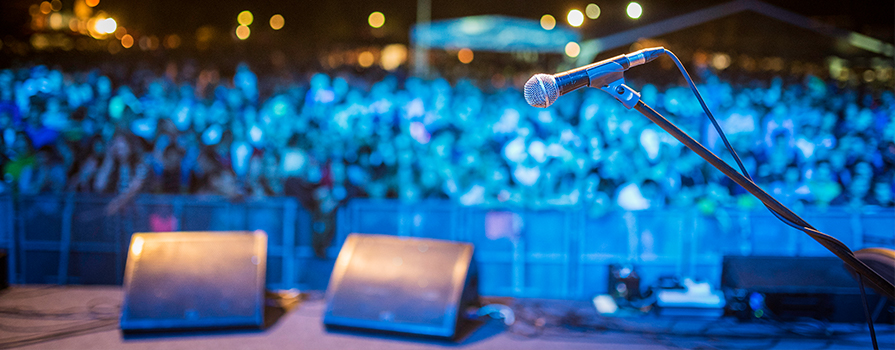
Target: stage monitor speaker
[[402, 285], [194, 281], [792, 287]]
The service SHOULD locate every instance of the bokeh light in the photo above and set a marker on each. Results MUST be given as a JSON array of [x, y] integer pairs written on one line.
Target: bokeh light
[[40, 41], [365, 59], [91, 28], [172, 41], [204, 35], [572, 49], [869, 75], [245, 18], [465, 55], [393, 56], [548, 22], [56, 5], [127, 41], [243, 32], [376, 19], [721, 61], [81, 10], [56, 21], [46, 7], [576, 18], [120, 32], [148, 43], [277, 21], [592, 11], [105, 26], [634, 10], [92, 3]]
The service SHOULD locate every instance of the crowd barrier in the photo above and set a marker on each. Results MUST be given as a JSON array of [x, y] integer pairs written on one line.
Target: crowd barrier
[[559, 253], [72, 239], [565, 253]]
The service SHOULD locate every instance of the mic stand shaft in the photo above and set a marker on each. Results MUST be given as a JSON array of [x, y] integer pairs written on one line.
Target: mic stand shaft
[[833, 245]]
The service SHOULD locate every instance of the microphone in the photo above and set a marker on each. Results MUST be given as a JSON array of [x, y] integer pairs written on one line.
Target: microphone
[[543, 89]]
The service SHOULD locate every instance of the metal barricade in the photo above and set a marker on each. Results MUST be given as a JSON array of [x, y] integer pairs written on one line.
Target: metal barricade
[[71, 239], [556, 253], [565, 253]]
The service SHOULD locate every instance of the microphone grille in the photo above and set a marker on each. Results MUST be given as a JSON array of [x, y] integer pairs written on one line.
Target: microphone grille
[[541, 90]]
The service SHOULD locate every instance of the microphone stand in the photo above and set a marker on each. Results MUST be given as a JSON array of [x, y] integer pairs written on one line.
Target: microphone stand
[[631, 99]]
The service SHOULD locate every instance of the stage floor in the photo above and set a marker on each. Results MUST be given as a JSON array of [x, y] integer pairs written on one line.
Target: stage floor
[[85, 317]]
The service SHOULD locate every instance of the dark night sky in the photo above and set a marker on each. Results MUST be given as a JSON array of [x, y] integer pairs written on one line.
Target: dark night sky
[[345, 20]]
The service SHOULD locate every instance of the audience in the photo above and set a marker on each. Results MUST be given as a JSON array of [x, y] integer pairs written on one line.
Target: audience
[[328, 139]]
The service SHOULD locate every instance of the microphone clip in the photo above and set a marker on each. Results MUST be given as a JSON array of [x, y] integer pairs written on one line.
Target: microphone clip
[[623, 93]]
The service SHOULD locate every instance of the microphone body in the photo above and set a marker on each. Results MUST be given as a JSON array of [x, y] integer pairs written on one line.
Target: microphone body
[[543, 89]]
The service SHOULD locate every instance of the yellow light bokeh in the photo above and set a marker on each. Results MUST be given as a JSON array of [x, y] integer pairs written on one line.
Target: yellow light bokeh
[[721, 61], [172, 41], [572, 49], [245, 18], [277, 21], [40, 41], [365, 59], [243, 32], [92, 3], [376, 19], [56, 21], [120, 32], [592, 11], [575, 18], [105, 26], [204, 35], [465, 55], [56, 5], [393, 56], [46, 7], [634, 10], [548, 22], [127, 41], [82, 11]]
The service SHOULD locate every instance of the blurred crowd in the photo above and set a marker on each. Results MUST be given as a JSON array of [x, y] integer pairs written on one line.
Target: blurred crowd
[[328, 138]]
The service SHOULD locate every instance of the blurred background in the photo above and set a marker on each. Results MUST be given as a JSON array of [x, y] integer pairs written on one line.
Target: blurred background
[[314, 119]]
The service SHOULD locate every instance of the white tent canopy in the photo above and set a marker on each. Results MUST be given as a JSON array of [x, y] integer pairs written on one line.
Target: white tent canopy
[[492, 33]]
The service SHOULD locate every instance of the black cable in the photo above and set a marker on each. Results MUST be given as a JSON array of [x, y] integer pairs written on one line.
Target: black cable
[[717, 127], [96, 315], [801, 225], [79, 329], [867, 312]]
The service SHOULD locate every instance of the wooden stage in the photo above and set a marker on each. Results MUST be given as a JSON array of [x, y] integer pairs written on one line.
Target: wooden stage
[[86, 317]]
